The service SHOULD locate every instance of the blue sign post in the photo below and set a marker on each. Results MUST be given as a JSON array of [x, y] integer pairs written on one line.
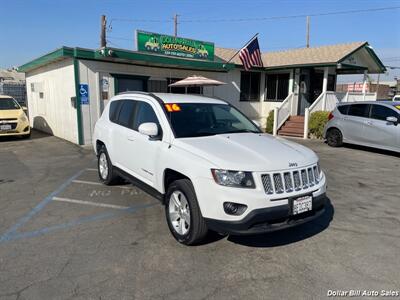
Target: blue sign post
[[84, 93]]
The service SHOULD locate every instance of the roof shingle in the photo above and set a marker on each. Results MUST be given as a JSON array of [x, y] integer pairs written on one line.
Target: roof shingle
[[303, 56]]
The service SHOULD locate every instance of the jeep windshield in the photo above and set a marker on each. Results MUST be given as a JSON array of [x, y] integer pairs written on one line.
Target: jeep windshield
[[203, 119], [8, 104]]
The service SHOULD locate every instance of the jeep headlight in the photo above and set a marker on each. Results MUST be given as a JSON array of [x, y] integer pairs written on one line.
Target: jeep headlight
[[233, 178]]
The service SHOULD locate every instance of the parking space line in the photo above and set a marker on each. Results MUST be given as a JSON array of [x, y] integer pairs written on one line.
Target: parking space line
[[99, 183], [83, 220], [89, 203], [91, 169], [12, 231]]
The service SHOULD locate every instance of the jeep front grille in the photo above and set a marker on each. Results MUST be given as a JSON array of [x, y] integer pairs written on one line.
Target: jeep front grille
[[290, 181], [266, 180]]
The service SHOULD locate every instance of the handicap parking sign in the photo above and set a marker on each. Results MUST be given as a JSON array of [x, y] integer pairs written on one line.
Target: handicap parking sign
[[84, 93]]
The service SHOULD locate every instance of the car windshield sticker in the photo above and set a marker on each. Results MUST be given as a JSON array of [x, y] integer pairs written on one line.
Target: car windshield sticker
[[173, 107]]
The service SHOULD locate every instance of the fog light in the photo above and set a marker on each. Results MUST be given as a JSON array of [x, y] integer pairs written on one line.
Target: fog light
[[26, 128], [234, 208]]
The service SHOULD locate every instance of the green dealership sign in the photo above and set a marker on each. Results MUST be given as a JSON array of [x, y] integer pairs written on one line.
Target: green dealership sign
[[173, 46]]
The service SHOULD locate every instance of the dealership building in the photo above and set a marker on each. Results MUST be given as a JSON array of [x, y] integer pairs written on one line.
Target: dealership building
[[67, 89]]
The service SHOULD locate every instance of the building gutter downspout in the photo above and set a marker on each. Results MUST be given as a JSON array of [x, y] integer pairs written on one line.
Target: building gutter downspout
[[78, 101]]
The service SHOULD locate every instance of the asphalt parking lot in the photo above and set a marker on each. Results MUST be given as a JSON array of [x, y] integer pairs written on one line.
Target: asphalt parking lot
[[63, 235]]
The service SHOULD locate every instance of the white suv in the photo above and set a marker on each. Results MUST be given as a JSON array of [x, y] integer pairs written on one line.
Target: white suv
[[210, 165]]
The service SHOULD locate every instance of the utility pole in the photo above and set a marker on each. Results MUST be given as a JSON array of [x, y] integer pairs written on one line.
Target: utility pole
[[103, 24], [176, 25], [308, 32]]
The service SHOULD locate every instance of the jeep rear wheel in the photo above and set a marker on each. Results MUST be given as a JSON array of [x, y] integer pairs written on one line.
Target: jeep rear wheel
[[334, 137], [183, 214], [105, 168]]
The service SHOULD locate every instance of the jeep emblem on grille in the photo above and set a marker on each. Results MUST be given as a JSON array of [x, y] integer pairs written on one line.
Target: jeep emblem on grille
[[292, 164]]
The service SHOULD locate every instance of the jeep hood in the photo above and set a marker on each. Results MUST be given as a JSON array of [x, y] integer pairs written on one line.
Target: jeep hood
[[248, 151]]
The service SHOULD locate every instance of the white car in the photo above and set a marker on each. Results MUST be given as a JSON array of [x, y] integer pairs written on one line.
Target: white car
[[209, 164]]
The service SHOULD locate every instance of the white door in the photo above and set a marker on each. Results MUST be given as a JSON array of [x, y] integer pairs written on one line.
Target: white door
[[122, 129], [379, 132], [142, 149], [355, 122]]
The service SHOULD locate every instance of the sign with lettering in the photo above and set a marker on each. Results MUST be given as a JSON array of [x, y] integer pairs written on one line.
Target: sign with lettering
[[174, 46]]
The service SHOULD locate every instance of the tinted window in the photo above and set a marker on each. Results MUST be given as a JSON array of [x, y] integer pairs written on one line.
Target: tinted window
[[359, 110], [343, 109], [8, 103], [125, 117], [381, 112], [114, 109], [277, 87], [250, 86], [202, 119], [145, 114]]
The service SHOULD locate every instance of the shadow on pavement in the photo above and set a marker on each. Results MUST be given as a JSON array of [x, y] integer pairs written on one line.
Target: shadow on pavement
[[35, 134], [372, 150], [290, 235]]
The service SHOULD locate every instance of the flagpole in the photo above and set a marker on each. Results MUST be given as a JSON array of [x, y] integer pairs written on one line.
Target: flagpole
[[241, 49]]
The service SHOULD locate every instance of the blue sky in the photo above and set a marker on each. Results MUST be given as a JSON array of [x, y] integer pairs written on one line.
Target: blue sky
[[32, 28]]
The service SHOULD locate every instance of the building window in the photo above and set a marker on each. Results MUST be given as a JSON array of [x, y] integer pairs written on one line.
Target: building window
[[277, 87], [183, 90], [157, 86], [250, 86]]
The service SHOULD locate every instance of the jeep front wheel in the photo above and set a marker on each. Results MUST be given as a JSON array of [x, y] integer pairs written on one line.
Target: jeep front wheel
[[183, 214]]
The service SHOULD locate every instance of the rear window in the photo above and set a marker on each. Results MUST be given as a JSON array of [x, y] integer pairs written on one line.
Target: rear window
[[343, 109], [359, 110]]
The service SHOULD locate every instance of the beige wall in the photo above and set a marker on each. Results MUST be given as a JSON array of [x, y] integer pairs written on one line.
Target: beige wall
[[53, 113]]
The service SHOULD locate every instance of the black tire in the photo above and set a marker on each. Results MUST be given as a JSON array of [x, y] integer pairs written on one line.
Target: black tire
[[198, 229], [334, 137], [110, 177]]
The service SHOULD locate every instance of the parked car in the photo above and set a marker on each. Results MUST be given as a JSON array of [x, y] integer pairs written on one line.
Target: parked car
[[13, 120], [209, 164], [396, 98], [372, 124]]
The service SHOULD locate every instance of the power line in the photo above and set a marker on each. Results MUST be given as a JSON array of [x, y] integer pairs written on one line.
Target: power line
[[255, 18], [292, 16]]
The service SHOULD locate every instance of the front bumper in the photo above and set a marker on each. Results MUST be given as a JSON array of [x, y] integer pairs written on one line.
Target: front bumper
[[17, 128], [269, 219]]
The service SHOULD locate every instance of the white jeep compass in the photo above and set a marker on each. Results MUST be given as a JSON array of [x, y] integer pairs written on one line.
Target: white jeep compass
[[210, 165]]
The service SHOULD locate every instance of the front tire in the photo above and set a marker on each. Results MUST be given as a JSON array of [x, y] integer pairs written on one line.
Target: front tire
[[105, 168], [183, 214], [334, 137]]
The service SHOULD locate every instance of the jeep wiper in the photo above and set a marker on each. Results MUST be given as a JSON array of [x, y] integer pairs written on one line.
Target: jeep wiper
[[240, 131]]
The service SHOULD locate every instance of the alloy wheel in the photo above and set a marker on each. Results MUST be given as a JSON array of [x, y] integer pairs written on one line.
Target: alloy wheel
[[179, 212]]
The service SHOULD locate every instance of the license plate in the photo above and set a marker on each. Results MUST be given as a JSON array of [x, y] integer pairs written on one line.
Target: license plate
[[302, 204], [5, 127]]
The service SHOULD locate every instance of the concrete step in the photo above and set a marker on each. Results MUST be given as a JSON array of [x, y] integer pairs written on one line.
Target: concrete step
[[296, 117], [291, 130], [290, 124], [290, 134]]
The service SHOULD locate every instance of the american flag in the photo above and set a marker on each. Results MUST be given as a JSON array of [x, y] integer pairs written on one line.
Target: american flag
[[251, 55]]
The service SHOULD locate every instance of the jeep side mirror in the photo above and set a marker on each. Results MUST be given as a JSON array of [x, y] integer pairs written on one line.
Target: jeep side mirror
[[392, 120], [24, 108], [149, 129]]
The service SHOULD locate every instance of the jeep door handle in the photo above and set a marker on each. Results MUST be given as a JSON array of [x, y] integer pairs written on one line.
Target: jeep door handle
[[131, 138], [368, 122]]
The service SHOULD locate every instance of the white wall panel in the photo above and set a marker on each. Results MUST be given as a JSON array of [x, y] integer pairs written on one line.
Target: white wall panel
[[52, 111]]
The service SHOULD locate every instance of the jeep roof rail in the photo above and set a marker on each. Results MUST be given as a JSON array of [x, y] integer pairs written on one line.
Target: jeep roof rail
[[133, 92]]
